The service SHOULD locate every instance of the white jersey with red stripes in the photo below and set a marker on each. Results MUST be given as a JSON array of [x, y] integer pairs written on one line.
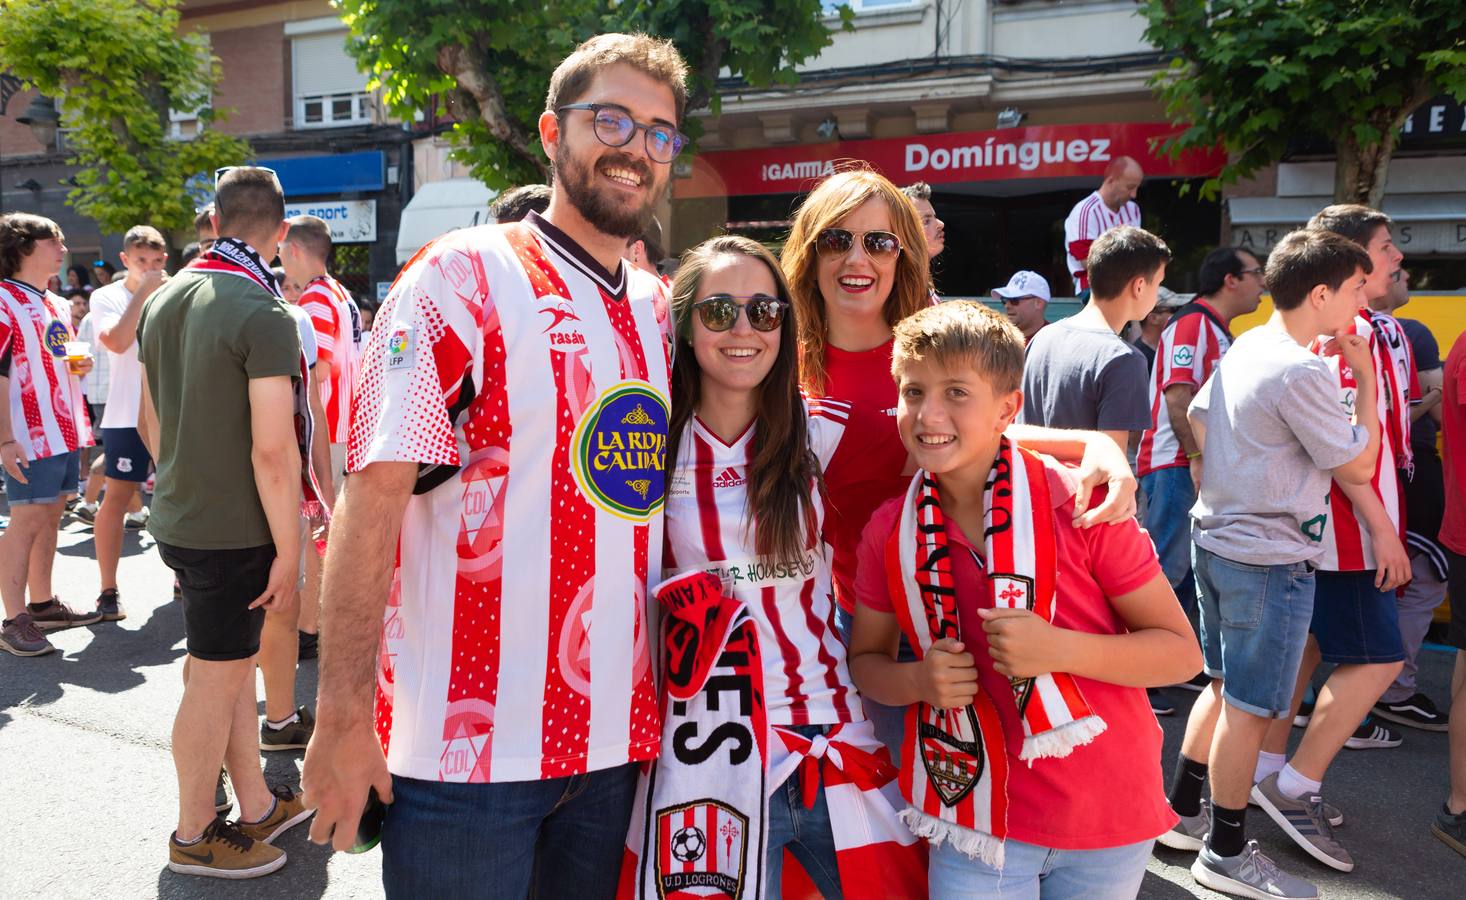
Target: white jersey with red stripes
[[1089, 219], [806, 681], [337, 332], [1347, 544], [530, 386], [1190, 348], [47, 414]]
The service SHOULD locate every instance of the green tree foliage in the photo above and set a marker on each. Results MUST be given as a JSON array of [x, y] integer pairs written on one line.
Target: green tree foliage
[[493, 58], [118, 67], [1249, 75]]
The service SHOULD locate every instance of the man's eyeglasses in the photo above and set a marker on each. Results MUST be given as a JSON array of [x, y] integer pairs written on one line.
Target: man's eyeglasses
[[838, 241], [1245, 272], [615, 128], [719, 312]]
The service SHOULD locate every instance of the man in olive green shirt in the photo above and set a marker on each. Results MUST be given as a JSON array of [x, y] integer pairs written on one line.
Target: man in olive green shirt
[[220, 353]]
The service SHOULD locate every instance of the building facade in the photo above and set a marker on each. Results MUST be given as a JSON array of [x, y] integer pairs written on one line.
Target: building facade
[[295, 94], [1010, 110]]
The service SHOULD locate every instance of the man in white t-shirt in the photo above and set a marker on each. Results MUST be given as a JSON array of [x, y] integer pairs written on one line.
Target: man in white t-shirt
[[115, 311], [512, 668], [1111, 205]]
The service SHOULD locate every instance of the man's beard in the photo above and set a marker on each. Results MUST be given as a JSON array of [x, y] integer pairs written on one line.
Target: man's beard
[[575, 179]]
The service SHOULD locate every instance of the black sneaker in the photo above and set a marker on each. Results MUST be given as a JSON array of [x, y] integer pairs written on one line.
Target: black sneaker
[[1305, 711], [1414, 712], [310, 645], [1201, 682], [1451, 829], [109, 604], [292, 737], [1159, 704], [1370, 736]]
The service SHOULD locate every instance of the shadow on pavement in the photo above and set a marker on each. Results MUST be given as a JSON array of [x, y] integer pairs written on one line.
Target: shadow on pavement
[[1154, 887], [110, 663]]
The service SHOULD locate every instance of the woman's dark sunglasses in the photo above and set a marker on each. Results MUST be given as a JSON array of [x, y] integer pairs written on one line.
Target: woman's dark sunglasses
[[615, 128], [719, 312], [838, 241]]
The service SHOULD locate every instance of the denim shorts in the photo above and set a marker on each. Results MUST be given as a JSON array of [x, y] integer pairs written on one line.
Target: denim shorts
[[1032, 871], [1254, 624], [1354, 622], [47, 480]]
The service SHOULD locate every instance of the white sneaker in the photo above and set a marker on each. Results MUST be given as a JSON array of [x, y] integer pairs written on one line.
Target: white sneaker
[[135, 520]]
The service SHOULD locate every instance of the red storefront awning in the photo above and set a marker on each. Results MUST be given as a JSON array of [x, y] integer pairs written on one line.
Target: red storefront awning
[[1045, 151]]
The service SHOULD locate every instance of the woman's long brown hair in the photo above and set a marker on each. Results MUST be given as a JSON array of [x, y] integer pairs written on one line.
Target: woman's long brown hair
[[826, 207], [783, 475]]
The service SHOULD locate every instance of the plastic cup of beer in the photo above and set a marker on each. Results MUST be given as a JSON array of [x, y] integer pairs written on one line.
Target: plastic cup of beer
[[77, 352]]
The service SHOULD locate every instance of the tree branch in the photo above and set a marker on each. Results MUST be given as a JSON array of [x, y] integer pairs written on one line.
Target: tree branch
[[707, 73], [468, 69]]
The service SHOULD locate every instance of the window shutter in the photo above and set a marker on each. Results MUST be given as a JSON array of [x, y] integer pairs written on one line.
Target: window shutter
[[322, 65]]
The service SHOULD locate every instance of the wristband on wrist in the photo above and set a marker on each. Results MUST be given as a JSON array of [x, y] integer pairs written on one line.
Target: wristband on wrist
[[1196, 455]]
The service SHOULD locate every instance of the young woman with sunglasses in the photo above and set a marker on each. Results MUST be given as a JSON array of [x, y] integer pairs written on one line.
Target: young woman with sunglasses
[[744, 502], [856, 263]]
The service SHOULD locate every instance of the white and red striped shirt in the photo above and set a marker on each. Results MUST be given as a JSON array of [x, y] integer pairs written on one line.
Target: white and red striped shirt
[[329, 306], [47, 413], [1089, 219], [1347, 544], [1190, 348], [530, 385], [806, 681]]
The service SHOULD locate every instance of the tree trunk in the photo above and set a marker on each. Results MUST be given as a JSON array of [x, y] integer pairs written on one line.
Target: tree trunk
[[1362, 170], [478, 84]]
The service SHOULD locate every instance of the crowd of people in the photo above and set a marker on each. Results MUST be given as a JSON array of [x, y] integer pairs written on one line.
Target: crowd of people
[[626, 584]]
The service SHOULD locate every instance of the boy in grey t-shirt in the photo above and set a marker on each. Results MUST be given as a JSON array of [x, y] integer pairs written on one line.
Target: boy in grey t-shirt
[[1272, 434], [1079, 373]]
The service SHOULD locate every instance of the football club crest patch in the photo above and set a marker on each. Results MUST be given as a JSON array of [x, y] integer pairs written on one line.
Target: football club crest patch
[[702, 851], [953, 766]]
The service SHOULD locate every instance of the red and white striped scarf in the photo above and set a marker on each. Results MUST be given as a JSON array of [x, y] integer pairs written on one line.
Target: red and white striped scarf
[[1388, 342], [699, 825], [231, 256], [954, 771]]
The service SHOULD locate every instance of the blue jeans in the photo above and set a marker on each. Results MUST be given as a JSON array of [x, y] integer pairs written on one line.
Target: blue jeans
[[562, 837], [1254, 625], [803, 832], [888, 721], [1169, 497], [1031, 871]]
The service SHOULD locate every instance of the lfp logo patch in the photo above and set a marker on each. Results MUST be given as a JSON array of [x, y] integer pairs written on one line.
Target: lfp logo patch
[[399, 349], [56, 337], [619, 452]]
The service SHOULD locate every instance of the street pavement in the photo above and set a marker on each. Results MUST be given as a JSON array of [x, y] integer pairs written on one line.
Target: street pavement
[[88, 797]]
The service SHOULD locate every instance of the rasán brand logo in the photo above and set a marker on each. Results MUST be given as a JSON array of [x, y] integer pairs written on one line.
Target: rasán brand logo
[[620, 449]]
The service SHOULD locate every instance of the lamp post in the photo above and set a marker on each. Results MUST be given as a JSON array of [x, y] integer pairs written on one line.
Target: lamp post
[[41, 115]]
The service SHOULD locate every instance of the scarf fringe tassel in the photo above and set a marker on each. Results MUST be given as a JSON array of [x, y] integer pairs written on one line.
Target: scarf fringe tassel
[[1060, 742], [970, 843]]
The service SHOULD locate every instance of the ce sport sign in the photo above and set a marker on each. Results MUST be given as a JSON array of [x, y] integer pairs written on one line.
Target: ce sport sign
[[1048, 151]]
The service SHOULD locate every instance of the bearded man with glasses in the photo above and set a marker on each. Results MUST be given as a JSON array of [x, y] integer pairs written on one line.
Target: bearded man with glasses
[[511, 672]]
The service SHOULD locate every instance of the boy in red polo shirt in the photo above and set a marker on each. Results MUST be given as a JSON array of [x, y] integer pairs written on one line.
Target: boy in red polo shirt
[[1010, 678]]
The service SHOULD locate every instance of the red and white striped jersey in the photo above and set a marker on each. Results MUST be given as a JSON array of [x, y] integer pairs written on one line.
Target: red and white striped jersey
[[1347, 545], [1089, 219], [530, 385], [1190, 347], [707, 526], [329, 306], [47, 413]]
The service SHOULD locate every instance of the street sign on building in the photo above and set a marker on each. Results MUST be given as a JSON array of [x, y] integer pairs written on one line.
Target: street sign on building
[[351, 221]]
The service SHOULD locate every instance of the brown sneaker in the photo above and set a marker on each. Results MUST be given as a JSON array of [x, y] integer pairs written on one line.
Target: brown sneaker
[[224, 852], [21, 637], [53, 615], [289, 810]]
